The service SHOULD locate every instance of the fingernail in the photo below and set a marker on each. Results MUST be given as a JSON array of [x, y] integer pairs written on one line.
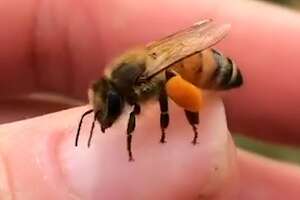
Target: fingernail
[[175, 170]]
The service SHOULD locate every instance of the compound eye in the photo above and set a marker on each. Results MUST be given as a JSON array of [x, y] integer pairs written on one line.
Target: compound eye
[[112, 110], [114, 103]]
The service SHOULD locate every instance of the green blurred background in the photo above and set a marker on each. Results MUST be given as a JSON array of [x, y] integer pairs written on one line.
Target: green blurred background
[[279, 152], [290, 3]]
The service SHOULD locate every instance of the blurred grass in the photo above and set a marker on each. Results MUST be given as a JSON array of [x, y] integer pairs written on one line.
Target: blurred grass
[[278, 152], [295, 4], [274, 151]]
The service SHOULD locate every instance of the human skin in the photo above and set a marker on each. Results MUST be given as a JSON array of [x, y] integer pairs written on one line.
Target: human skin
[[70, 42]]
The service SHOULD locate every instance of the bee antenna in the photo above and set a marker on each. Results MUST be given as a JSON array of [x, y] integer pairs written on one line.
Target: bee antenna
[[79, 126], [92, 129]]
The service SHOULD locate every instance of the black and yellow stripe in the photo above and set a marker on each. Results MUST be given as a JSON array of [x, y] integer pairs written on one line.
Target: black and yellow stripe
[[209, 69]]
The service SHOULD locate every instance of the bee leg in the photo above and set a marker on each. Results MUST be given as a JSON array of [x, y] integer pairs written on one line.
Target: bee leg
[[164, 110], [164, 114], [193, 119], [130, 128]]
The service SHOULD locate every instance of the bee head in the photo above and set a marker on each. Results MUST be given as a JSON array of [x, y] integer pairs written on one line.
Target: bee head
[[108, 103]]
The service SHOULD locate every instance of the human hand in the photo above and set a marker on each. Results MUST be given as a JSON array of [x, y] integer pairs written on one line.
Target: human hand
[[58, 47]]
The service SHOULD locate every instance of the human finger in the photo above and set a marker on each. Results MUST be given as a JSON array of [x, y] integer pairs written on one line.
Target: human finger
[[262, 178], [39, 159]]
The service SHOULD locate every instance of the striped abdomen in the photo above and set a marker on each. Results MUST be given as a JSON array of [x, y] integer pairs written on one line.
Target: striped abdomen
[[209, 69]]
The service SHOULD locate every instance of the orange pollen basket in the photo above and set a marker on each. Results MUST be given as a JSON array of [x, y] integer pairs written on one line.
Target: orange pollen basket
[[184, 94]]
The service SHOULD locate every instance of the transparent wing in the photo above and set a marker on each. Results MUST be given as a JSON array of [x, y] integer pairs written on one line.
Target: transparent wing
[[171, 49]]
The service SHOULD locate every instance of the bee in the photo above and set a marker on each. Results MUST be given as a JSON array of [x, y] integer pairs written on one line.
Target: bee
[[156, 71]]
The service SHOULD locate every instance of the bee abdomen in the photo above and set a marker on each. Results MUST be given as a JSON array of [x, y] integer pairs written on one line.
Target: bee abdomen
[[210, 70], [227, 75]]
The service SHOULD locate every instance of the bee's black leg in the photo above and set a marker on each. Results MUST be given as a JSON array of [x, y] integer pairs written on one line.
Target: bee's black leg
[[164, 114], [79, 126], [193, 119], [131, 127], [164, 110]]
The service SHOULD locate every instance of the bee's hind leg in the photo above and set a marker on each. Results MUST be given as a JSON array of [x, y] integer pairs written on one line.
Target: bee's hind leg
[[131, 127], [164, 113], [193, 119]]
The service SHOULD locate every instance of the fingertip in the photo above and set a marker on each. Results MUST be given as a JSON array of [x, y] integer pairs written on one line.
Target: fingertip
[[176, 169]]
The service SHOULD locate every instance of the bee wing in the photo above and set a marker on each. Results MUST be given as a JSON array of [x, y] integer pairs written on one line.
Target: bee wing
[[173, 48]]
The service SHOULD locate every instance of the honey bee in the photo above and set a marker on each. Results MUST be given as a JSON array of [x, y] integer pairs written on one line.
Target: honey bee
[[144, 73]]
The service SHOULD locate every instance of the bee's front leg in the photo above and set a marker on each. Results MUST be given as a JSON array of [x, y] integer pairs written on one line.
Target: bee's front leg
[[131, 127], [193, 119]]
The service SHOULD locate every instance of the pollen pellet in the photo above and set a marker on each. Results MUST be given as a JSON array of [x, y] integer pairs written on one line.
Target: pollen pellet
[[184, 94]]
